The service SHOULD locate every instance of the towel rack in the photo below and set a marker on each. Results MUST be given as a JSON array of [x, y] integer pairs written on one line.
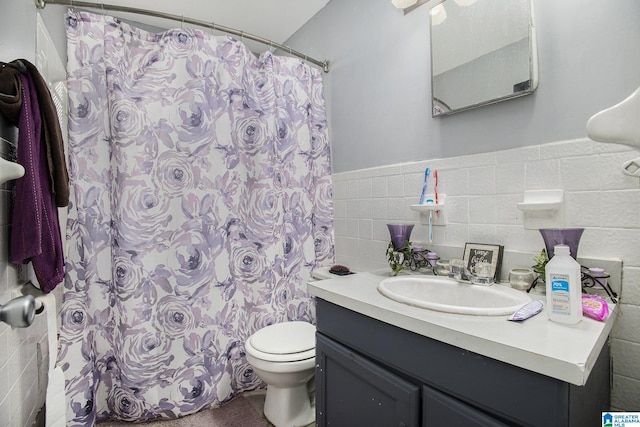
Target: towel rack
[[10, 170]]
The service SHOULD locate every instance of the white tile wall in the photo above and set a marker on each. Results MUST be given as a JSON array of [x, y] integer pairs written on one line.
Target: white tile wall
[[24, 352], [482, 191], [22, 377]]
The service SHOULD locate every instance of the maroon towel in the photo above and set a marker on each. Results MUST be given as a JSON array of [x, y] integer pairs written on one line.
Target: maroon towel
[[11, 106], [52, 135], [35, 229]]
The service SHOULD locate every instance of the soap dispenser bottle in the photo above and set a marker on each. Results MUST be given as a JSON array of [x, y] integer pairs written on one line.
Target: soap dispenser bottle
[[564, 287]]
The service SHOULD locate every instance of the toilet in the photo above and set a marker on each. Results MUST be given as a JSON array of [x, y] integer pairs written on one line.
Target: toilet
[[284, 355]]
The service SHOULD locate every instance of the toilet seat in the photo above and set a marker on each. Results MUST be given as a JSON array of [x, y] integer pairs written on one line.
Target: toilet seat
[[268, 357], [283, 342]]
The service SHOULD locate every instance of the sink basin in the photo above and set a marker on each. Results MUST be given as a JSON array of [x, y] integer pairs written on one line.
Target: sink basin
[[450, 296]]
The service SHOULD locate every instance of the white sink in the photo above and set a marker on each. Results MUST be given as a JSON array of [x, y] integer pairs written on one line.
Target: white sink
[[450, 296]]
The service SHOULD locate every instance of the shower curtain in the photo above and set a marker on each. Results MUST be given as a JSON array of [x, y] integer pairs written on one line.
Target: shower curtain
[[201, 201]]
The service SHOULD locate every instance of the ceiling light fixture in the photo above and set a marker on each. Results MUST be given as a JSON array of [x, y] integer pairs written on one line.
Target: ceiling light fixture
[[465, 2], [438, 14], [403, 4]]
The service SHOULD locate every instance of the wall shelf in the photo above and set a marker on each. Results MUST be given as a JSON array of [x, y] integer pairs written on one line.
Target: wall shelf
[[539, 206], [542, 200], [428, 207], [437, 211], [542, 209]]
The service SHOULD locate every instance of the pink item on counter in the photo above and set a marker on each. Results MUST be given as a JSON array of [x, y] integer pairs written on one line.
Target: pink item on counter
[[595, 307]]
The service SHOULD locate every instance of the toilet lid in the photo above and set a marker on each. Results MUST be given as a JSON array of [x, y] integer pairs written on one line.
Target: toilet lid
[[285, 338]]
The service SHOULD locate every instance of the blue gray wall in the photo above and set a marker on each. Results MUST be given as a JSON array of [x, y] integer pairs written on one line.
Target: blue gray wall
[[378, 89], [378, 96]]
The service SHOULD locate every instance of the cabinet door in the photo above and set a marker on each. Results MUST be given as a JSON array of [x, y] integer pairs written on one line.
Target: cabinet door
[[353, 391], [439, 409]]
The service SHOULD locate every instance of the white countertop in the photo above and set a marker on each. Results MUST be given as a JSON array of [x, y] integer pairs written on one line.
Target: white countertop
[[564, 352]]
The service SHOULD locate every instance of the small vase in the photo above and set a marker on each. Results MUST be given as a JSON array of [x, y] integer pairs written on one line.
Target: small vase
[[561, 236], [400, 234]]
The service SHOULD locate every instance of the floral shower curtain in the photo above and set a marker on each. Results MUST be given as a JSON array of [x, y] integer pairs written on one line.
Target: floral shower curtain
[[201, 201]]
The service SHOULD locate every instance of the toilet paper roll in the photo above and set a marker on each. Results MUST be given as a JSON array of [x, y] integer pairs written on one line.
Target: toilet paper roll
[[56, 405], [55, 397]]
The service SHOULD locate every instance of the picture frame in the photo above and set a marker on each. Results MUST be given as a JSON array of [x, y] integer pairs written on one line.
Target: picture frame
[[482, 252]]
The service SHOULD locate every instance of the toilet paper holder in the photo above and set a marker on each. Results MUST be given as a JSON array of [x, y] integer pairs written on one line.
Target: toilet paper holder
[[19, 312]]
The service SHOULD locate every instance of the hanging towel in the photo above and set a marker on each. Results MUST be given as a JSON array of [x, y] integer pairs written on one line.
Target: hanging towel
[[58, 173], [35, 229], [10, 98], [11, 106]]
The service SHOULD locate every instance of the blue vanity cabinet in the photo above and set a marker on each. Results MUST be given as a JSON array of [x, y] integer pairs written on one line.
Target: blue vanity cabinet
[[357, 392], [371, 373], [439, 409]]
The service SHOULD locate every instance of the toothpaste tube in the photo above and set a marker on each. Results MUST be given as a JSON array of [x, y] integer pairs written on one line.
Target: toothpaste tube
[[526, 311]]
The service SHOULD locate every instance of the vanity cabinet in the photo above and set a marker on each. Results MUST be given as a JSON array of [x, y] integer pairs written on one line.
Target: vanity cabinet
[[358, 392], [371, 373]]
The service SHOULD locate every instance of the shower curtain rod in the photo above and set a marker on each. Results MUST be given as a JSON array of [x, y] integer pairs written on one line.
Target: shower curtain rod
[[40, 4]]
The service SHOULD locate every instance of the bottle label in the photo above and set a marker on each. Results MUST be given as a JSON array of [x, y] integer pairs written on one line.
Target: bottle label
[[560, 298]]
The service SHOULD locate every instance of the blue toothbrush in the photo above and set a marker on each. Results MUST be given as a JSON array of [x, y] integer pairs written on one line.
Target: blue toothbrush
[[430, 221], [424, 186]]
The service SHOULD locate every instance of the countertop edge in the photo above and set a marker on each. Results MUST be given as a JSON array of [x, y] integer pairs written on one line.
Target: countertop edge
[[576, 373]]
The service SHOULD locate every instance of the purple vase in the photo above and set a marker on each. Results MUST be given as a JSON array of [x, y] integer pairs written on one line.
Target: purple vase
[[400, 234], [561, 236]]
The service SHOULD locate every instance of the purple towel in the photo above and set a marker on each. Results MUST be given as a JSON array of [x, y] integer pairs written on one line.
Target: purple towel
[[35, 229]]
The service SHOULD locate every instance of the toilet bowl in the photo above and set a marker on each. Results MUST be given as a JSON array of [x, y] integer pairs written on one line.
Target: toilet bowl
[[283, 355]]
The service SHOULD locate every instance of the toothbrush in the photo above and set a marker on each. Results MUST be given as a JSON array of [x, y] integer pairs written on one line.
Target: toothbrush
[[435, 189], [424, 185], [430, 221]]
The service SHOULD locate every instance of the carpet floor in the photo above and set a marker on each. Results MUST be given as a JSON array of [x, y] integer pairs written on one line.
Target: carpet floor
[[243, 411]]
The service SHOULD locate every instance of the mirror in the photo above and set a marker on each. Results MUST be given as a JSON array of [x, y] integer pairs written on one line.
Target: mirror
[[482, 52]]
